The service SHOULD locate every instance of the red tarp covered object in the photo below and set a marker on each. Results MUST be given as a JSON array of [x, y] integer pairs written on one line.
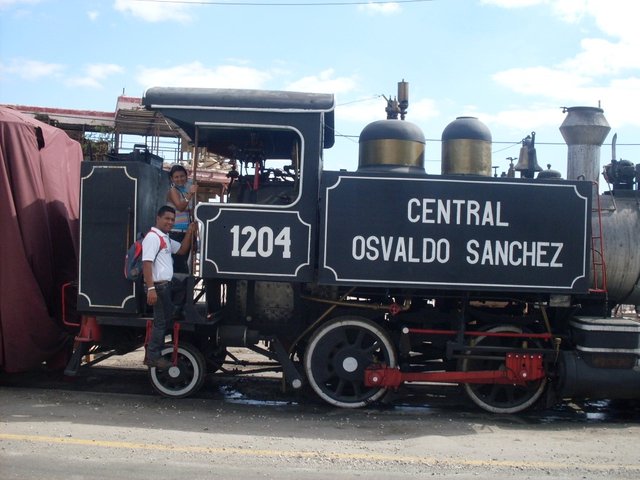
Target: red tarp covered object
[[39, 208]]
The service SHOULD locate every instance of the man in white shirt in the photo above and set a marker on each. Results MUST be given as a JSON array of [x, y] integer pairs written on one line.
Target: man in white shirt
[[157, 267]]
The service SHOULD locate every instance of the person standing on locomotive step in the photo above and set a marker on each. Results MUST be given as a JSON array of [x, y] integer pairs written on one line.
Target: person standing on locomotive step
[[179, 197], [157, 268]]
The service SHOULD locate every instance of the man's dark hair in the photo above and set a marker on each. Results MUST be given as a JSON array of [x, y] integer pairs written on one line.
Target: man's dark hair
[[166, 208]]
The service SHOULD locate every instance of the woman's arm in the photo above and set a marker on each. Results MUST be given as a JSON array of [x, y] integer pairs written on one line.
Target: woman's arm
[[181, 203]]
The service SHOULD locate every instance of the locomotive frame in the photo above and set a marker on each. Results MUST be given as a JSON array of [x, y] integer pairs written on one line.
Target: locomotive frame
[[356, 282]]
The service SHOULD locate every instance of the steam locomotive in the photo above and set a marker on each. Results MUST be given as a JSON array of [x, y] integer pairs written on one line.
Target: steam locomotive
[[354, 283]]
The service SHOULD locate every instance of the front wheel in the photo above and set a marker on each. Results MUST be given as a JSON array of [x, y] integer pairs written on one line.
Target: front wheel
[[185, 377], [338, 354]]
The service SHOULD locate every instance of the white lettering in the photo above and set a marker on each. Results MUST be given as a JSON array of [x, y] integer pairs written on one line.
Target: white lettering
[[499, 222], [464, 212], [473, 257], [401, 250], [472, 212], [514, 253], [372, 250], [541, 252], [426, 210], [412, 258], [259, 242], [512, 247], [413, 218], [357, 247], [386, 247], [487, 215], [554, 262], [444, 212]]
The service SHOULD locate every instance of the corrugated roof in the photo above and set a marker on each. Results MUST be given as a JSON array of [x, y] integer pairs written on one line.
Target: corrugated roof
[[130, 117]]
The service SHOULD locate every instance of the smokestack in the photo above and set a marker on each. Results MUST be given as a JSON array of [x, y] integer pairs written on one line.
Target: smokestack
[[584, 130]]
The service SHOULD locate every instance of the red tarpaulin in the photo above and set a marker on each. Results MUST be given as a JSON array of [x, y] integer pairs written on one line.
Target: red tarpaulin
[[39, 208]]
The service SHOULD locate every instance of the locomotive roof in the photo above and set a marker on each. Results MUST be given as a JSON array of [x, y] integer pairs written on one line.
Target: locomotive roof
[[185, 106]]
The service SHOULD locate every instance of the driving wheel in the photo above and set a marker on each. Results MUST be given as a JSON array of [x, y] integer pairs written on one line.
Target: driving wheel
[[338, 354], [501, 398]]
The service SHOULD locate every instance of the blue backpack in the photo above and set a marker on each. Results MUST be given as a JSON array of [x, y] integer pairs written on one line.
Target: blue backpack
[[133, 258]]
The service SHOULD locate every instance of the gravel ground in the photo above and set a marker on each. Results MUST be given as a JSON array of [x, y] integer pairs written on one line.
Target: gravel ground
[[110, 421]]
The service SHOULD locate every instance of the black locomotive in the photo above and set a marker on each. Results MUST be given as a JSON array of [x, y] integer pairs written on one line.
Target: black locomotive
[[356, 282]]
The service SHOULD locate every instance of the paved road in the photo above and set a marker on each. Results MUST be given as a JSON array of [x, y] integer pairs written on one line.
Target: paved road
[[109, 425]]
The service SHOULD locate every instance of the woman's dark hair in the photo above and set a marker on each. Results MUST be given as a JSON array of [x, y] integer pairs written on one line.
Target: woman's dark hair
[[176, 168]]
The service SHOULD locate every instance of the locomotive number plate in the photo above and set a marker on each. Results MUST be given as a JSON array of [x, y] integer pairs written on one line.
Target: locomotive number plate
[[253, 242]]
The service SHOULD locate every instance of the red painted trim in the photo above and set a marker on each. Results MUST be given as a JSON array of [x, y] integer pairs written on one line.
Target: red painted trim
[[520, 368], [176, 336], [89, 330], [427, 331]]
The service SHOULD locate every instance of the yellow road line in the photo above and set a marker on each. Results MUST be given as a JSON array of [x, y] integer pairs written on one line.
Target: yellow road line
[[373, 457]]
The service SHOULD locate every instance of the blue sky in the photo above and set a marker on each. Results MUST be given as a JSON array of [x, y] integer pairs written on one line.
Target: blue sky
[[511, 63]]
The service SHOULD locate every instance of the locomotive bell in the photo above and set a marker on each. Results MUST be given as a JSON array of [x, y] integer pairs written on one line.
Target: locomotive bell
[[527, 161], [466, 148], [386, 144]]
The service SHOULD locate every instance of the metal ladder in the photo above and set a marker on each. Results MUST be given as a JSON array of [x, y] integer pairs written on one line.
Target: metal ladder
[[598, 265]]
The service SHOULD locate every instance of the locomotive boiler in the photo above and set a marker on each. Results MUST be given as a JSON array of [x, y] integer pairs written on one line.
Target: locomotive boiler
[[355, 283]]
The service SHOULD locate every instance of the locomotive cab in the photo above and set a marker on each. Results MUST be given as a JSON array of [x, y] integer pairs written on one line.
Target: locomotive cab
[[267, 229]]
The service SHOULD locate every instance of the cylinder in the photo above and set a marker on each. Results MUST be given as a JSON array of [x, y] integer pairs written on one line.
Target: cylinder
[[466, 148], [579, 380], [584, 130], [236, 336], [389, 144]]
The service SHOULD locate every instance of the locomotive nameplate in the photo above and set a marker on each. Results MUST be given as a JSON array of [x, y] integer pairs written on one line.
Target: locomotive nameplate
[[498, 234], [253, 242]]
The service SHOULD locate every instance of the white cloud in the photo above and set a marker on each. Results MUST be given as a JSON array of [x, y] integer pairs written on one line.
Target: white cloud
[[157, 11], [621, 101], [197, 75], [602, 57], [568, 10], [571, 11], [423, 109], [32, 69], [520, 121], [617, 18], [95, 74], [103, 69], [606, 70], [324, 82], [93, 15], [545, 81], [386, 8], [361, 111]]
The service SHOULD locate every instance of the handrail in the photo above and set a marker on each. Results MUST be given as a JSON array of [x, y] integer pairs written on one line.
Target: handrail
[[64, 306]]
